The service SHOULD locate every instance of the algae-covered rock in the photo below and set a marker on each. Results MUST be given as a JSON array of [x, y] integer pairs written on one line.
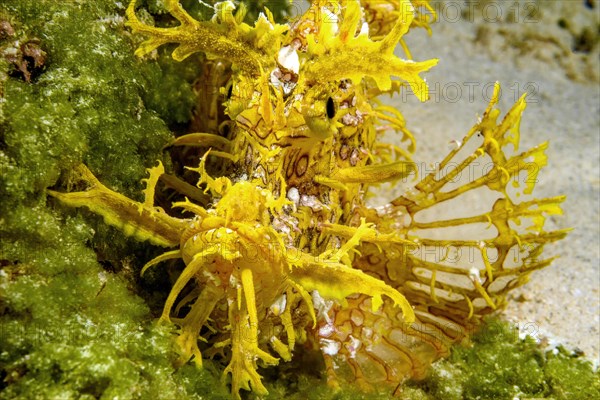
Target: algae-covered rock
[[501, 365], [68, 327]]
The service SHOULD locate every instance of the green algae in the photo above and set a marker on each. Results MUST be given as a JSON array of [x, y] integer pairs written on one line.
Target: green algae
[[71, 327], [68, 328], [94, 101], [500, 365]]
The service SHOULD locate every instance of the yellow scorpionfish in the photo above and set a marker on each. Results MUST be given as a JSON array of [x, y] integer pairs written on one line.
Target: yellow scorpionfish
[[281, 248]]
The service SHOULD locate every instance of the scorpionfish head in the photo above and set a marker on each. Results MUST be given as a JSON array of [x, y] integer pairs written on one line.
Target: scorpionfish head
[[298, 83]]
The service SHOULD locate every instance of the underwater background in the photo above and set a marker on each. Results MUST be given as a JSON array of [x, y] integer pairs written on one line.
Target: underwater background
[[77, 321]]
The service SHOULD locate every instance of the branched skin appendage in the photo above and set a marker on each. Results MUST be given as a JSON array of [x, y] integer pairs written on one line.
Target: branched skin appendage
[[288, 251]]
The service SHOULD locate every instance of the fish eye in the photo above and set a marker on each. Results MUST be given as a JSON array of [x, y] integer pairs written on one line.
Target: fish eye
[[330, 107]]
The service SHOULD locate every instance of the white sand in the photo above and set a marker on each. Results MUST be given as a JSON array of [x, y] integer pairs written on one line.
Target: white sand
[[562, 302]]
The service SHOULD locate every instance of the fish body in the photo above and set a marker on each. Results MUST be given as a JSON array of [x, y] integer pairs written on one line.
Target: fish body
[[286, 249]]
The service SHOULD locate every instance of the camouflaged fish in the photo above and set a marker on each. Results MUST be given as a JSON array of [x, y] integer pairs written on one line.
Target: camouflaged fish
[[283, 249]]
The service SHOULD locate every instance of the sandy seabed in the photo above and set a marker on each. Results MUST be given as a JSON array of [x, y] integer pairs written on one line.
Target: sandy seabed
[[544, 48]]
